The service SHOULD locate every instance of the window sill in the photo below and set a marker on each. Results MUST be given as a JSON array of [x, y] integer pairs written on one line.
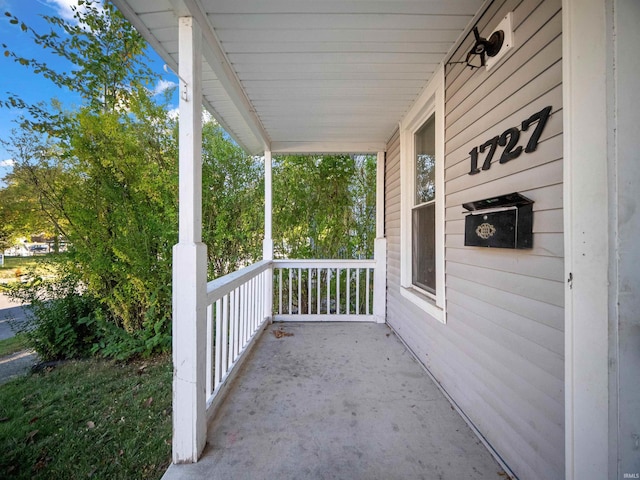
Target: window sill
[[425, 303]]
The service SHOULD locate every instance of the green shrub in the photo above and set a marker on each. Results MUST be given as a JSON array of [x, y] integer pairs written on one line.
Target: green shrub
[[115, 342], [57, 325], [66, 321]]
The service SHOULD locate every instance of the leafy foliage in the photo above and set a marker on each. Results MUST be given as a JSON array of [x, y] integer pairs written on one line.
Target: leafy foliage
[[106, 52], [232, 203], [324, 206], [123, 215], [105, 177], [35, 188], [57, 326]]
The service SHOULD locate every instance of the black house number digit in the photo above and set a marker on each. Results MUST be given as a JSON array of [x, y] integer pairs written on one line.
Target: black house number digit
[[509, 140]]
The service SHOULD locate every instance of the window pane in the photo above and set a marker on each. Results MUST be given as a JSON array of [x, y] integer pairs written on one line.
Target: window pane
[[425, 140], [424, 247]]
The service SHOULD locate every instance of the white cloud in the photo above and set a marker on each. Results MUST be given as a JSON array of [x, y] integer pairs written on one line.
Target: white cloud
[[162, 86], [9, 162], [62, 7], [173, 113]]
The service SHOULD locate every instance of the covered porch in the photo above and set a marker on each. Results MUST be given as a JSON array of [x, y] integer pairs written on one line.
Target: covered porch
[[340, 400], [343, 401], [356, 76]]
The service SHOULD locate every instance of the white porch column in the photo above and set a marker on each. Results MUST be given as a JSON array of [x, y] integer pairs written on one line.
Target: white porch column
[[189, 260], [267, 244], [380, 247]]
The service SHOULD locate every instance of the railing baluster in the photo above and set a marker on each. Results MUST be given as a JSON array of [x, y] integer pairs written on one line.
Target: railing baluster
[[260, 312], [241, 325], [319, 274], [225, 333], [348, 289], [245, 308], [259, 303], [246, 299], [299, 291], [233, 327], [338, 291], [309, 291], [357, 291], [210, 351], [290, 290], [328, 291], [280, 287], [241, 299], [252, 305], [255, 302], [367, 286], [218, 364], [237, 301], [236, 330]]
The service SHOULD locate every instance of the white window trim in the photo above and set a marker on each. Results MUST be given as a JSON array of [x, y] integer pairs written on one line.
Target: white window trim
[[430, 101]]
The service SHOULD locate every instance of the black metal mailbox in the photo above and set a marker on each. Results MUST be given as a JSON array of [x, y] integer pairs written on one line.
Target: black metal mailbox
[[501, 222]]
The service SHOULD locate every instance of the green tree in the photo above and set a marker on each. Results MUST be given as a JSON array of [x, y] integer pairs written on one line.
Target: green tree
[[104, 51], [123, 214], [232, 203], [35, 188], [324, 206], [106, 174]]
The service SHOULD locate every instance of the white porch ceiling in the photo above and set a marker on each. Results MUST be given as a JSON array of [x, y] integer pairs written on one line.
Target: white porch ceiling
[[309, 75]]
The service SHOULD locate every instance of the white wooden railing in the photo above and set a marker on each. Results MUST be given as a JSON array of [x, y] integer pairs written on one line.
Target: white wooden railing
[[238, 304], [323, 290]]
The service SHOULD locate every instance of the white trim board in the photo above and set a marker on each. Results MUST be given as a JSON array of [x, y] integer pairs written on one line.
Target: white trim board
[[586, 219], [430, 101]]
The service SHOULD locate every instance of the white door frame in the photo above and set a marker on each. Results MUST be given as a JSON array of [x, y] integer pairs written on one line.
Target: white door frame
[[586, 222]]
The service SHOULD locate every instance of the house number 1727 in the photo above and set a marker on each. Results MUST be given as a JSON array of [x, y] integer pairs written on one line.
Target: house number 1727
[[509, 140]]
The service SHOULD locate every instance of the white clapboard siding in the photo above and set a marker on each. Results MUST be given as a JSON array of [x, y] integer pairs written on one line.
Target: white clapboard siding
[[501, 353]]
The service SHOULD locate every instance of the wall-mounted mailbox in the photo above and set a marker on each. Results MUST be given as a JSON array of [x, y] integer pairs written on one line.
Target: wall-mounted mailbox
[[501, 222]]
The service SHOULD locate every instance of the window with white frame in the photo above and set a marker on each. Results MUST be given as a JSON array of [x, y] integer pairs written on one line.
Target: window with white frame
[[423, 218], [422, 215]]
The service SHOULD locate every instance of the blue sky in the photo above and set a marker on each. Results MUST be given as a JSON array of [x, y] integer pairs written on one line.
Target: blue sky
[[19, 80]]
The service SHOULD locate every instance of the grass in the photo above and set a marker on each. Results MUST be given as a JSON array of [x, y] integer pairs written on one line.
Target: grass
[[13, 345], [14, 266], [88, 419]]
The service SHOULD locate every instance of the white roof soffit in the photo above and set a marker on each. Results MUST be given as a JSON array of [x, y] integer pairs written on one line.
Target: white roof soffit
[[309, 76]]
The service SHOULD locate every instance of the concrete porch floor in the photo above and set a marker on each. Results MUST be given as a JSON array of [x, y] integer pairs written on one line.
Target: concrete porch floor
[[337, 401]]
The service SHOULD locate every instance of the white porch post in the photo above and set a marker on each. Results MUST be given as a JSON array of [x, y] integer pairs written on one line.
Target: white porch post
[[189, 260], [267, 244], [380, 247]]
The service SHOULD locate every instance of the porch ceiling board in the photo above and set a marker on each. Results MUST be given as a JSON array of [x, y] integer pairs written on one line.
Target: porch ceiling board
[[310, 76]]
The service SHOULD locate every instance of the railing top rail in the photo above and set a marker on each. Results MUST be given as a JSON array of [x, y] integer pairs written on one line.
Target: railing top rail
[[330, 263], [218, 288]]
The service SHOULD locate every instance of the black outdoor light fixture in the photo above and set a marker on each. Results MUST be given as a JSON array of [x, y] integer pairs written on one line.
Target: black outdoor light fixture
[[492, 49], [484, 47]]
